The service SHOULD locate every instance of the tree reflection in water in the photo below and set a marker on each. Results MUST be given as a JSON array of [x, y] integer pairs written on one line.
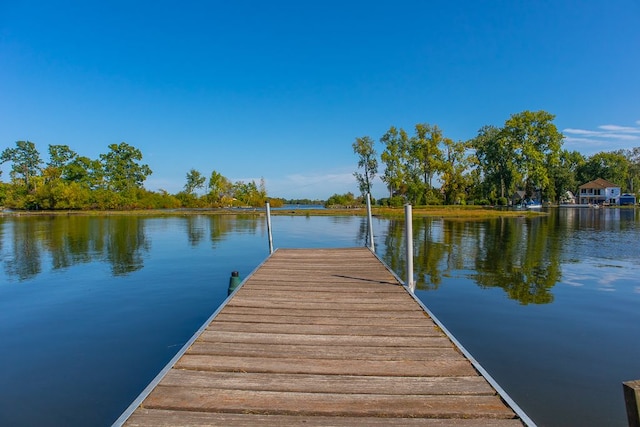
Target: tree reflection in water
[[520, 255], [121, 241], [66, 241]]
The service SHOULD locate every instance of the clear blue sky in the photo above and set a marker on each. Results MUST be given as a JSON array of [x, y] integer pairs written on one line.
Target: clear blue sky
[[280, 89]]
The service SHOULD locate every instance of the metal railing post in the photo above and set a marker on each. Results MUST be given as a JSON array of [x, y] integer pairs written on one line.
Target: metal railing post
[[408, 220], [268, 207], [370, 223]]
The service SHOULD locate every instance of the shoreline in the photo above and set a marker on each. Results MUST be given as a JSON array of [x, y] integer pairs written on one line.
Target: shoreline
[[453, 212]]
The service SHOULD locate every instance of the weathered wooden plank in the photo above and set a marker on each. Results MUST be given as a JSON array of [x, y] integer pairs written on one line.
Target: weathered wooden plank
[[379, 306], [345, 277], [336, 262], [390, 303], [322, 253], [350, 330], [311, 284], [409, 315], [324, 295], [323, 340], [268, 402], [239, 316], [293, 275], [438, 368], [167, 418], [345, 384], [328, 352], [354, 263], [344, 268], [329, 267]]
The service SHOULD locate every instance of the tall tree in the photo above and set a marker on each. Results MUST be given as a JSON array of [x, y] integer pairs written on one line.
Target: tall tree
[[122, 169], [425, 150], [495, 160], [85, 171], [250, 193], [219, 187], [394, 156], [367, 161], [60, 156], [536, 142], [565, 176], [633, 176], [25, 162], [453, 177], [613, 167], [195, 180]]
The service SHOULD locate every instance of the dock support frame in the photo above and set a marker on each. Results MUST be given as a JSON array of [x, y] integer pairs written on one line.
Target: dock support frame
[[632, 400]]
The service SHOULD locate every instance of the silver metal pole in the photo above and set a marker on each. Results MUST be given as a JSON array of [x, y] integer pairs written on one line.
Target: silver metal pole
[[370, 223], [269, 228], [408, 220]]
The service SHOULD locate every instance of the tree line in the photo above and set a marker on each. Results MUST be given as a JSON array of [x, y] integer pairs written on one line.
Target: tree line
[[113, 181], [525, 154]]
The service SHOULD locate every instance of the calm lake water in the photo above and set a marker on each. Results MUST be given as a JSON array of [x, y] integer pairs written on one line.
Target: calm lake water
[[92, 308]]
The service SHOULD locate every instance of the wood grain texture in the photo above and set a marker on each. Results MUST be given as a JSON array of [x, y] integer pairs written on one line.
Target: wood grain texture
[[323, 337], [169, 418]]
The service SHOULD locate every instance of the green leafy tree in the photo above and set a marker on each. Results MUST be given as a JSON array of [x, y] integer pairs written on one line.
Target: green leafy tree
[[195, 180], [633, 173], [25, 162], [613, 167], [565, 175], [68, 179], [424, 163], [536, 143], [456, 163], [367, 161], [60, 156], [122, 170], [496, 161], [342, 200], [249, 193], [394, 156], [426, 152], [3, 193], [219, 189], [85, 171]]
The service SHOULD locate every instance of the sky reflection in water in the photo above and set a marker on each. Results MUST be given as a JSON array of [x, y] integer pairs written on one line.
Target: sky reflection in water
[[91, 308]]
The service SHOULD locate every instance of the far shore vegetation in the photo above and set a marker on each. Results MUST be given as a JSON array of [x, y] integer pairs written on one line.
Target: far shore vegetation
[[449, 212], [435, 174]]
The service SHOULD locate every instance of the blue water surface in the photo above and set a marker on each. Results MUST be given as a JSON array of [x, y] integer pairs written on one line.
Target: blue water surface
[[92, 308]]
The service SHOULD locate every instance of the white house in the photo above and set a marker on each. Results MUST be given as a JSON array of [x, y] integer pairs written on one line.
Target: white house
[[599, 191]]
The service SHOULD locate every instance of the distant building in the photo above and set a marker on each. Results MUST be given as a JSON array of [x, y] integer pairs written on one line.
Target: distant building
[[598, 192], [627, 199], [518, 197]]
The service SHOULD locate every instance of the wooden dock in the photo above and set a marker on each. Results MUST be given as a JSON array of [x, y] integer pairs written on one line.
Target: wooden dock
[[320, 337]]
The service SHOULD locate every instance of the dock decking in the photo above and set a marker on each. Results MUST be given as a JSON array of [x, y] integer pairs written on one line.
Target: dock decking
[[322, 337]]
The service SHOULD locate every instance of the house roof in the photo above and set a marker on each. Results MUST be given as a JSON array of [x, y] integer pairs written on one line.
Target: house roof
[[599, 183]]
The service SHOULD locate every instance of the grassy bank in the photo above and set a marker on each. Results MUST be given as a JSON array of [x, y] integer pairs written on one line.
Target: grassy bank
[[462, 212], [459, 212]]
